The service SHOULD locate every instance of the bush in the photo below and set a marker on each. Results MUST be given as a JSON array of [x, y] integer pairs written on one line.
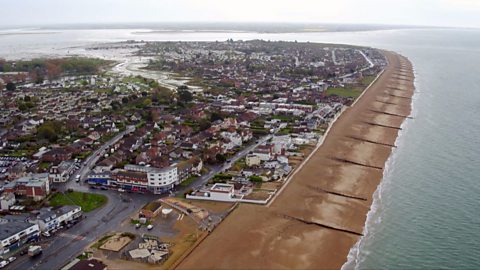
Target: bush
[[127, 234], [255, 179], [223, 176], [188, 192]]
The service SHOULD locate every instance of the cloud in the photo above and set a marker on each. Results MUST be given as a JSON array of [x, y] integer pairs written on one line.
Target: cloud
[[463, 4], [412, 12]]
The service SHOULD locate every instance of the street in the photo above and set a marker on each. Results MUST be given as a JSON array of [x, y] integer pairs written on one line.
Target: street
[[67, 244], [200, 181], [91, 160]]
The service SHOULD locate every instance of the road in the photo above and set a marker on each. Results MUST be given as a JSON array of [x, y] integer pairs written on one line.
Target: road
[[91, 160], [67, 244], [202, 180], [370, 65]]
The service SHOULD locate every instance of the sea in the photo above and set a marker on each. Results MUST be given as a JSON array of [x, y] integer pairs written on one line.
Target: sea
[[426, 211]]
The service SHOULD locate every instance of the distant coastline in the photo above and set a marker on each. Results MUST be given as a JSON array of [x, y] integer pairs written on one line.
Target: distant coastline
[[254, 27]]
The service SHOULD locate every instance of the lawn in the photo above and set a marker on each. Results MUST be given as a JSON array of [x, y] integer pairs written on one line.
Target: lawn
[[188, 181], [44, 165], [367, 80], [88, 201], [344, 92]]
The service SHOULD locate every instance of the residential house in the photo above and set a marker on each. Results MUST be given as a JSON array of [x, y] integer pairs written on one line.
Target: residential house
[[252, 160], [62, 172], [56, 155]]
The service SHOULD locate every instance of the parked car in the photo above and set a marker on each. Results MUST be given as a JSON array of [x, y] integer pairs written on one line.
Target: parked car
[[3, 263], [11, 259]]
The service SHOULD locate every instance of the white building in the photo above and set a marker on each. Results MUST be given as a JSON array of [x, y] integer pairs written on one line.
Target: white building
[[50, 219], [159, 180], [7, 200], [281, 143], [15, 231], [262, 154], [218, 192], [252, 160], [234, 138], [62, 172]]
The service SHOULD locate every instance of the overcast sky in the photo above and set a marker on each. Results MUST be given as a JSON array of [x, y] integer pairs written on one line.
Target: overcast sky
[[464, 13]]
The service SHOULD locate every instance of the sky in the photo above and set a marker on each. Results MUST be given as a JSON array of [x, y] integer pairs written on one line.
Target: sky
[[453, 13]]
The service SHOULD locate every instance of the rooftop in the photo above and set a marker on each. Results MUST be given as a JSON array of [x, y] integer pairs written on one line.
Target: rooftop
[[89, 265], [222, 187], [10, 225]]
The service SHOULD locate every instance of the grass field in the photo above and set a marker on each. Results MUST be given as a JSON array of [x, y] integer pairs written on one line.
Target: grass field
[[344, 92], [88, 201], [188, 181], [367, 80]]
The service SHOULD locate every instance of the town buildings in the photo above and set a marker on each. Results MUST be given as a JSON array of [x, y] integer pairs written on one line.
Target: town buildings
[[33, 186], [16, 231], [49, 219]]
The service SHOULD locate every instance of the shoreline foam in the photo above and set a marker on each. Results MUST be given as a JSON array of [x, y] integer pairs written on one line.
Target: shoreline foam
[[354, 256], [306, 227]]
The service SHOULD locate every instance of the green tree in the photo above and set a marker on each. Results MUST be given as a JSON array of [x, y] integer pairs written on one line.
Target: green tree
[[22, 107], [256, 179], [147, 102], [185, 96], [204, 124], [215, 116], [162, 95], [220, 158], [47, 132], [115, 105], [11, 86]]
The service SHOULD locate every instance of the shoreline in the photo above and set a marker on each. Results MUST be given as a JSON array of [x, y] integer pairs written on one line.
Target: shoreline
[[313, 209], [320, 142], [353, 257]]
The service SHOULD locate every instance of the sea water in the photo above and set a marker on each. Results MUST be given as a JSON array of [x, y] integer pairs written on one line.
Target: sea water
[[426, 211]]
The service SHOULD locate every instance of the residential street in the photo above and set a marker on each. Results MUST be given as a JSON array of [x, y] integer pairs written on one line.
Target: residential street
[[91, 160], [67, 244], [200, 181]]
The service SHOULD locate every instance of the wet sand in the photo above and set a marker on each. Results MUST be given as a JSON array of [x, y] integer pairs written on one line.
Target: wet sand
[[321, 214]]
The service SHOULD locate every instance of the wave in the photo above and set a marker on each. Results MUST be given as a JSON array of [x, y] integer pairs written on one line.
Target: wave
[[374, 216]]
